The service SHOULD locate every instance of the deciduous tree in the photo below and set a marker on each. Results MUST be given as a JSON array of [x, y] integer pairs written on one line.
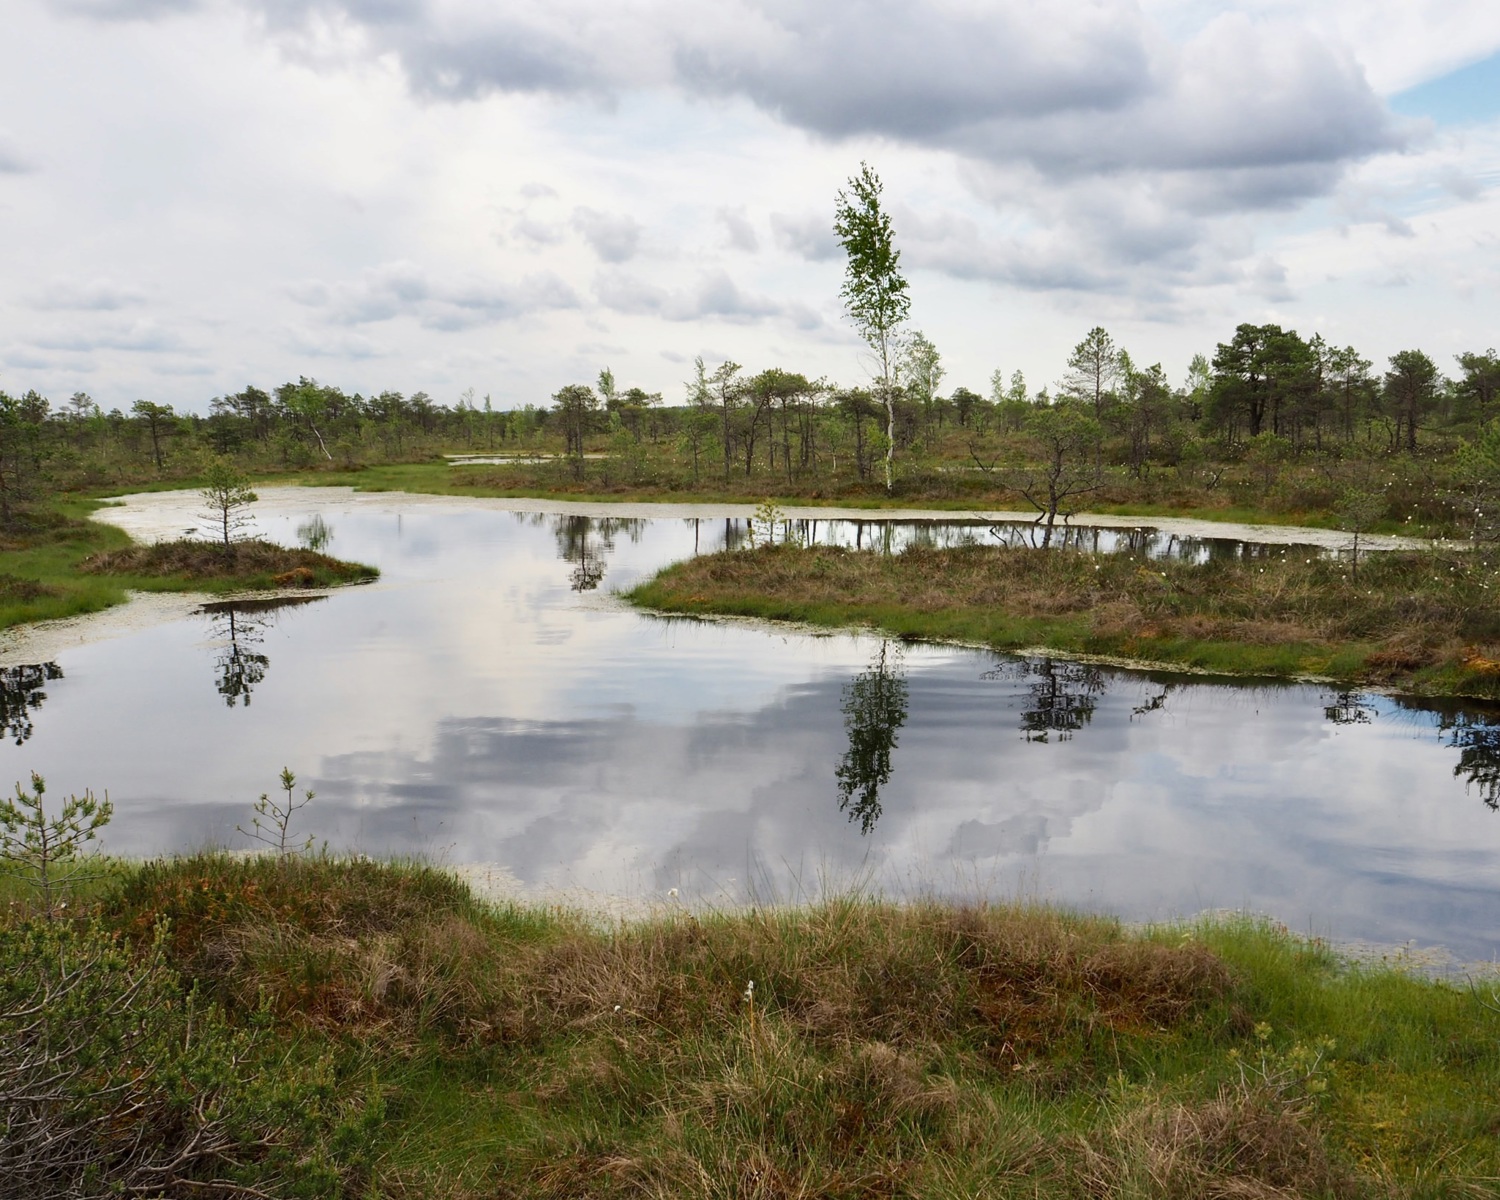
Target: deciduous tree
[[874, 291]]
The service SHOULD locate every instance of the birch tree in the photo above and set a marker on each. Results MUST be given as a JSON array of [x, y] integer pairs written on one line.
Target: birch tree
[[874, 291]]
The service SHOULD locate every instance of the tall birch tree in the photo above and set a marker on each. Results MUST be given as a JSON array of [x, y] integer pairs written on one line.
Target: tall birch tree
[[874, 291]]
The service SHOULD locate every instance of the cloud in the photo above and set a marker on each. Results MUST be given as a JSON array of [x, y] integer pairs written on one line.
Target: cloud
[[738, 230], [93, 295], [613, 237], [145, 337], [1103, 89], [808, 236], [323, 344], [402, 289], [126, 10], [12, 161], [540, 233], [714, 296], [1188, 111]]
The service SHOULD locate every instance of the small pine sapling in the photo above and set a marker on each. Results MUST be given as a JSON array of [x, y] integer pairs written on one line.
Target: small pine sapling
[[47, 851], [272, 821]]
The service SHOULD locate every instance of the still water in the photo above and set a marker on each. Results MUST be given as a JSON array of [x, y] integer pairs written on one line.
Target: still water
[[490, 701]]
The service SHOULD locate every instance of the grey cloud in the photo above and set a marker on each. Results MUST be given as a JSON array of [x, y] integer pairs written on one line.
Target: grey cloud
[[177, 370], [537, 191], [94, 295], [542, 233], [125, 10], [1236, 115], [1460, 185], [715, 295], [404, 290], [1104, 89], [737, 228], [614, 237], [12, 161], [331, 345], [1269, 278], [941, 68], [146, 337], [809, 236]]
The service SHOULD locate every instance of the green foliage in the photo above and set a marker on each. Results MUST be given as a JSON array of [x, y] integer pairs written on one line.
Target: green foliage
[[768, 515], [874, 704], [874, 292], [226, 494], [114, 1081], [47, 851], [271, 824]]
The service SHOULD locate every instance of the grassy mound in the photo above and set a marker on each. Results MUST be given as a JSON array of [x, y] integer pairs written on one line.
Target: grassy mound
[[464, 1049], [250, 564], [1422, 620]]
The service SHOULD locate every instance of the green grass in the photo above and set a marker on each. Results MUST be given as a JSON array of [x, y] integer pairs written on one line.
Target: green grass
[[1424, 622], [917, 1049], [62, 564], [520, 482]]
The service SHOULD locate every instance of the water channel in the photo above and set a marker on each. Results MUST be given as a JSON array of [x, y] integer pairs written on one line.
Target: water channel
[[491, 701]]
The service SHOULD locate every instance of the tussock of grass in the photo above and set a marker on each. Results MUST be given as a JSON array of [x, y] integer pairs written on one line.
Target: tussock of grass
[[251, 564], [886, 1050], [1428, 621]]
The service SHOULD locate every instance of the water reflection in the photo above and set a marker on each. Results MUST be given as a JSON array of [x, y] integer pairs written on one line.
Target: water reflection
[[315, 533], [1349, 708], [874, 704], [895, 536], [1473, 730], [1060, 695], [238, 626], [475, 709], [587, 541], [20, 694], [1155, 702]]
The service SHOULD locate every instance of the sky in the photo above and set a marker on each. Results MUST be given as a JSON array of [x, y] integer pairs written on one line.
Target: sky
[[445, 195]]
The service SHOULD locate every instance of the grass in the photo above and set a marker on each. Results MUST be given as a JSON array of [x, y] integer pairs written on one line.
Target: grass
[[885, 1050], [1426, 622], [58, 563], [941, 494]]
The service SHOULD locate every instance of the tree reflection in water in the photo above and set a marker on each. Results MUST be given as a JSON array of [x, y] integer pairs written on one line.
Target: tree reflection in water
[[237, 626], [1476, 737], [1061, 696], [21, 693], [1349, 708], [1463, 726], [874, 706], [585, 541]]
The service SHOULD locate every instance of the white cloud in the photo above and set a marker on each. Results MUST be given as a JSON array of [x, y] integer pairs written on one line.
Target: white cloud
[[449, 193]]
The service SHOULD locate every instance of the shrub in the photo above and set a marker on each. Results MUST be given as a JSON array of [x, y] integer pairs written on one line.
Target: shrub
[[113, 1080]]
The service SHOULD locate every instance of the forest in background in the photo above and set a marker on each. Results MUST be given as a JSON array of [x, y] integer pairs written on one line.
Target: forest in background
[[1272, 422]]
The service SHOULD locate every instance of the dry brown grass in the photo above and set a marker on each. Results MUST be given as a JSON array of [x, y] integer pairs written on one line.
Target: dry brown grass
[[919, 1050], [1404, 613], [255, 563]]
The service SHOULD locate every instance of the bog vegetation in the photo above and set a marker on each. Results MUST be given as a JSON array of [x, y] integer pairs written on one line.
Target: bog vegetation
[[301, 1025]]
